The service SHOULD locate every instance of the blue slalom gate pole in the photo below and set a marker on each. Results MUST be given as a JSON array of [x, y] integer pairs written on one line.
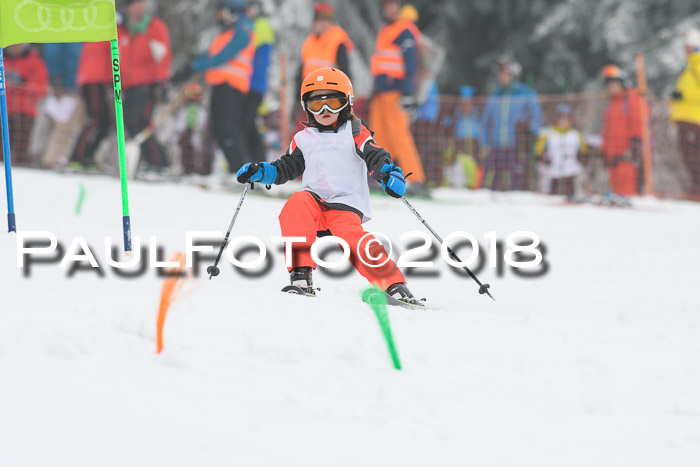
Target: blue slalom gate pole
[[11, 227]]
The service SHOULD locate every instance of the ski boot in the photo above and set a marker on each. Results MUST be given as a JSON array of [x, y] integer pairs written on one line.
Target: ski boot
[[398, 294], [301, 282]]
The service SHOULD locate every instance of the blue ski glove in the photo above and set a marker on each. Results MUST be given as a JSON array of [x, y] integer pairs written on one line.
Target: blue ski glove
[[392, 180], [262, 172]]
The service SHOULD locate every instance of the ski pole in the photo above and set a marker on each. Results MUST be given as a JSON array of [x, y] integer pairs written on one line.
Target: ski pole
[[483, 288], [214, 270]]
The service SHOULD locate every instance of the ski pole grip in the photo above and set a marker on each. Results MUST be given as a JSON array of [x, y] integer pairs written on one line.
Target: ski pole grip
[[245, 177]]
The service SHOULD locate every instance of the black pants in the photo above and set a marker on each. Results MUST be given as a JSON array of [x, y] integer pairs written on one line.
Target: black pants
[[227, 123], [138, 110], [689, 145], [255, 144], [563, 186], [98, 124]]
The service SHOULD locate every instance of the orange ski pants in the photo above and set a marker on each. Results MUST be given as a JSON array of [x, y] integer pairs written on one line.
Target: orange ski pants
[[303, 216], [393, 132], [623, 178]]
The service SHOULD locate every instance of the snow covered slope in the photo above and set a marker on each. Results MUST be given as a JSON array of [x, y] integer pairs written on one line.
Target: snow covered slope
[[596, 363]]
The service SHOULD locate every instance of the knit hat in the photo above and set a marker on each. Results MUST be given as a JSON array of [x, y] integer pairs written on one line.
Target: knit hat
[[409, 12], [323, 10]]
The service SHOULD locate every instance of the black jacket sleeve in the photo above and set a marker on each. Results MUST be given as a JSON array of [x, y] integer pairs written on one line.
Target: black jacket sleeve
[[343, 60], [374, 156], [289, 166]]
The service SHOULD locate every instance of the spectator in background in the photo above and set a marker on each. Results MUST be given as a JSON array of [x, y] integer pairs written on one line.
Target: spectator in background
[[145, 63], [95, 82], [190, 132], [621, 136], [511, 115], [428, 133], [228, 67], [559, 148], [63, 112], [685, 111], [394, 66], [26, 79], [463, 157], [264, 42], [427, 125], [327, 45]]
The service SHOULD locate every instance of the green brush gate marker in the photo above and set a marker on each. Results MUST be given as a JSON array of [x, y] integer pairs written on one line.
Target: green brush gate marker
[[377, 300], [126, 219], [81, 198]]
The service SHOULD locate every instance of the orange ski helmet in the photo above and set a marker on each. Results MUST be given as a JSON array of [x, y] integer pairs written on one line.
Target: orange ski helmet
[[327, 78]]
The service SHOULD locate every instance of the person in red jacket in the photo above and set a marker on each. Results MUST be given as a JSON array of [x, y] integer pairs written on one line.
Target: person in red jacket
[[622, 136], [27, 81], [95, 82], [145, 64]]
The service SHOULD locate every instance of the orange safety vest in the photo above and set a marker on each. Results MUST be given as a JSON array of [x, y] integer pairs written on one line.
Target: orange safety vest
[[237, 71], [321, 51], [388, 57]]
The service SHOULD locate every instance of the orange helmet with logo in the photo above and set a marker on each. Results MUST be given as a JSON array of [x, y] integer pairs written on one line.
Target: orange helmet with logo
[[327, 79]]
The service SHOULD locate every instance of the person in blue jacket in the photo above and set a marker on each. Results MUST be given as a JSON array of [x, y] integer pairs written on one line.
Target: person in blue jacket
[[62, 112], [264, 43], [511, 115], [228, 69]]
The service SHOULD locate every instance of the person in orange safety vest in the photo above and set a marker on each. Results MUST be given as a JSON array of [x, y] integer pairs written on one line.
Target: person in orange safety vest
[[328, 45], [228, 67], [394, 66]]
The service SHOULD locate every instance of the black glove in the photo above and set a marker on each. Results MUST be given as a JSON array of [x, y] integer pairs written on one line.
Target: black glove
[[676, 95]]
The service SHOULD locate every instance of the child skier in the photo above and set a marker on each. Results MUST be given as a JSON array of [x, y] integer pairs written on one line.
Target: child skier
[[333, 155], [560, 147]]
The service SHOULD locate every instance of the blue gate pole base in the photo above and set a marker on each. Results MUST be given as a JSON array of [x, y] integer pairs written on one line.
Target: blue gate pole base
[[126, 224], [11, 227]]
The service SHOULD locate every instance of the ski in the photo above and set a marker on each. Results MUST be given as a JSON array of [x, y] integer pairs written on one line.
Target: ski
[[296, 290], [374, 296]]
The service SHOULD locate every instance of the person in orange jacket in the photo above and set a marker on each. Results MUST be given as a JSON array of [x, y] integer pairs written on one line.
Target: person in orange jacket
[[145, 63], [95, 82], [621, 136], [328, 45], [394, 66], [27, 81], [228, 67]]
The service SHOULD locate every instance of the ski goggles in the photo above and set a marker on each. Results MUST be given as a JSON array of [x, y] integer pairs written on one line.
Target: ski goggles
[[334, 104]]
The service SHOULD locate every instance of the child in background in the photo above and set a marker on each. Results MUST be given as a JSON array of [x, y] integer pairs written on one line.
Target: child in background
[[461, 163], [190, 133], [559, 148], [333, 155]]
